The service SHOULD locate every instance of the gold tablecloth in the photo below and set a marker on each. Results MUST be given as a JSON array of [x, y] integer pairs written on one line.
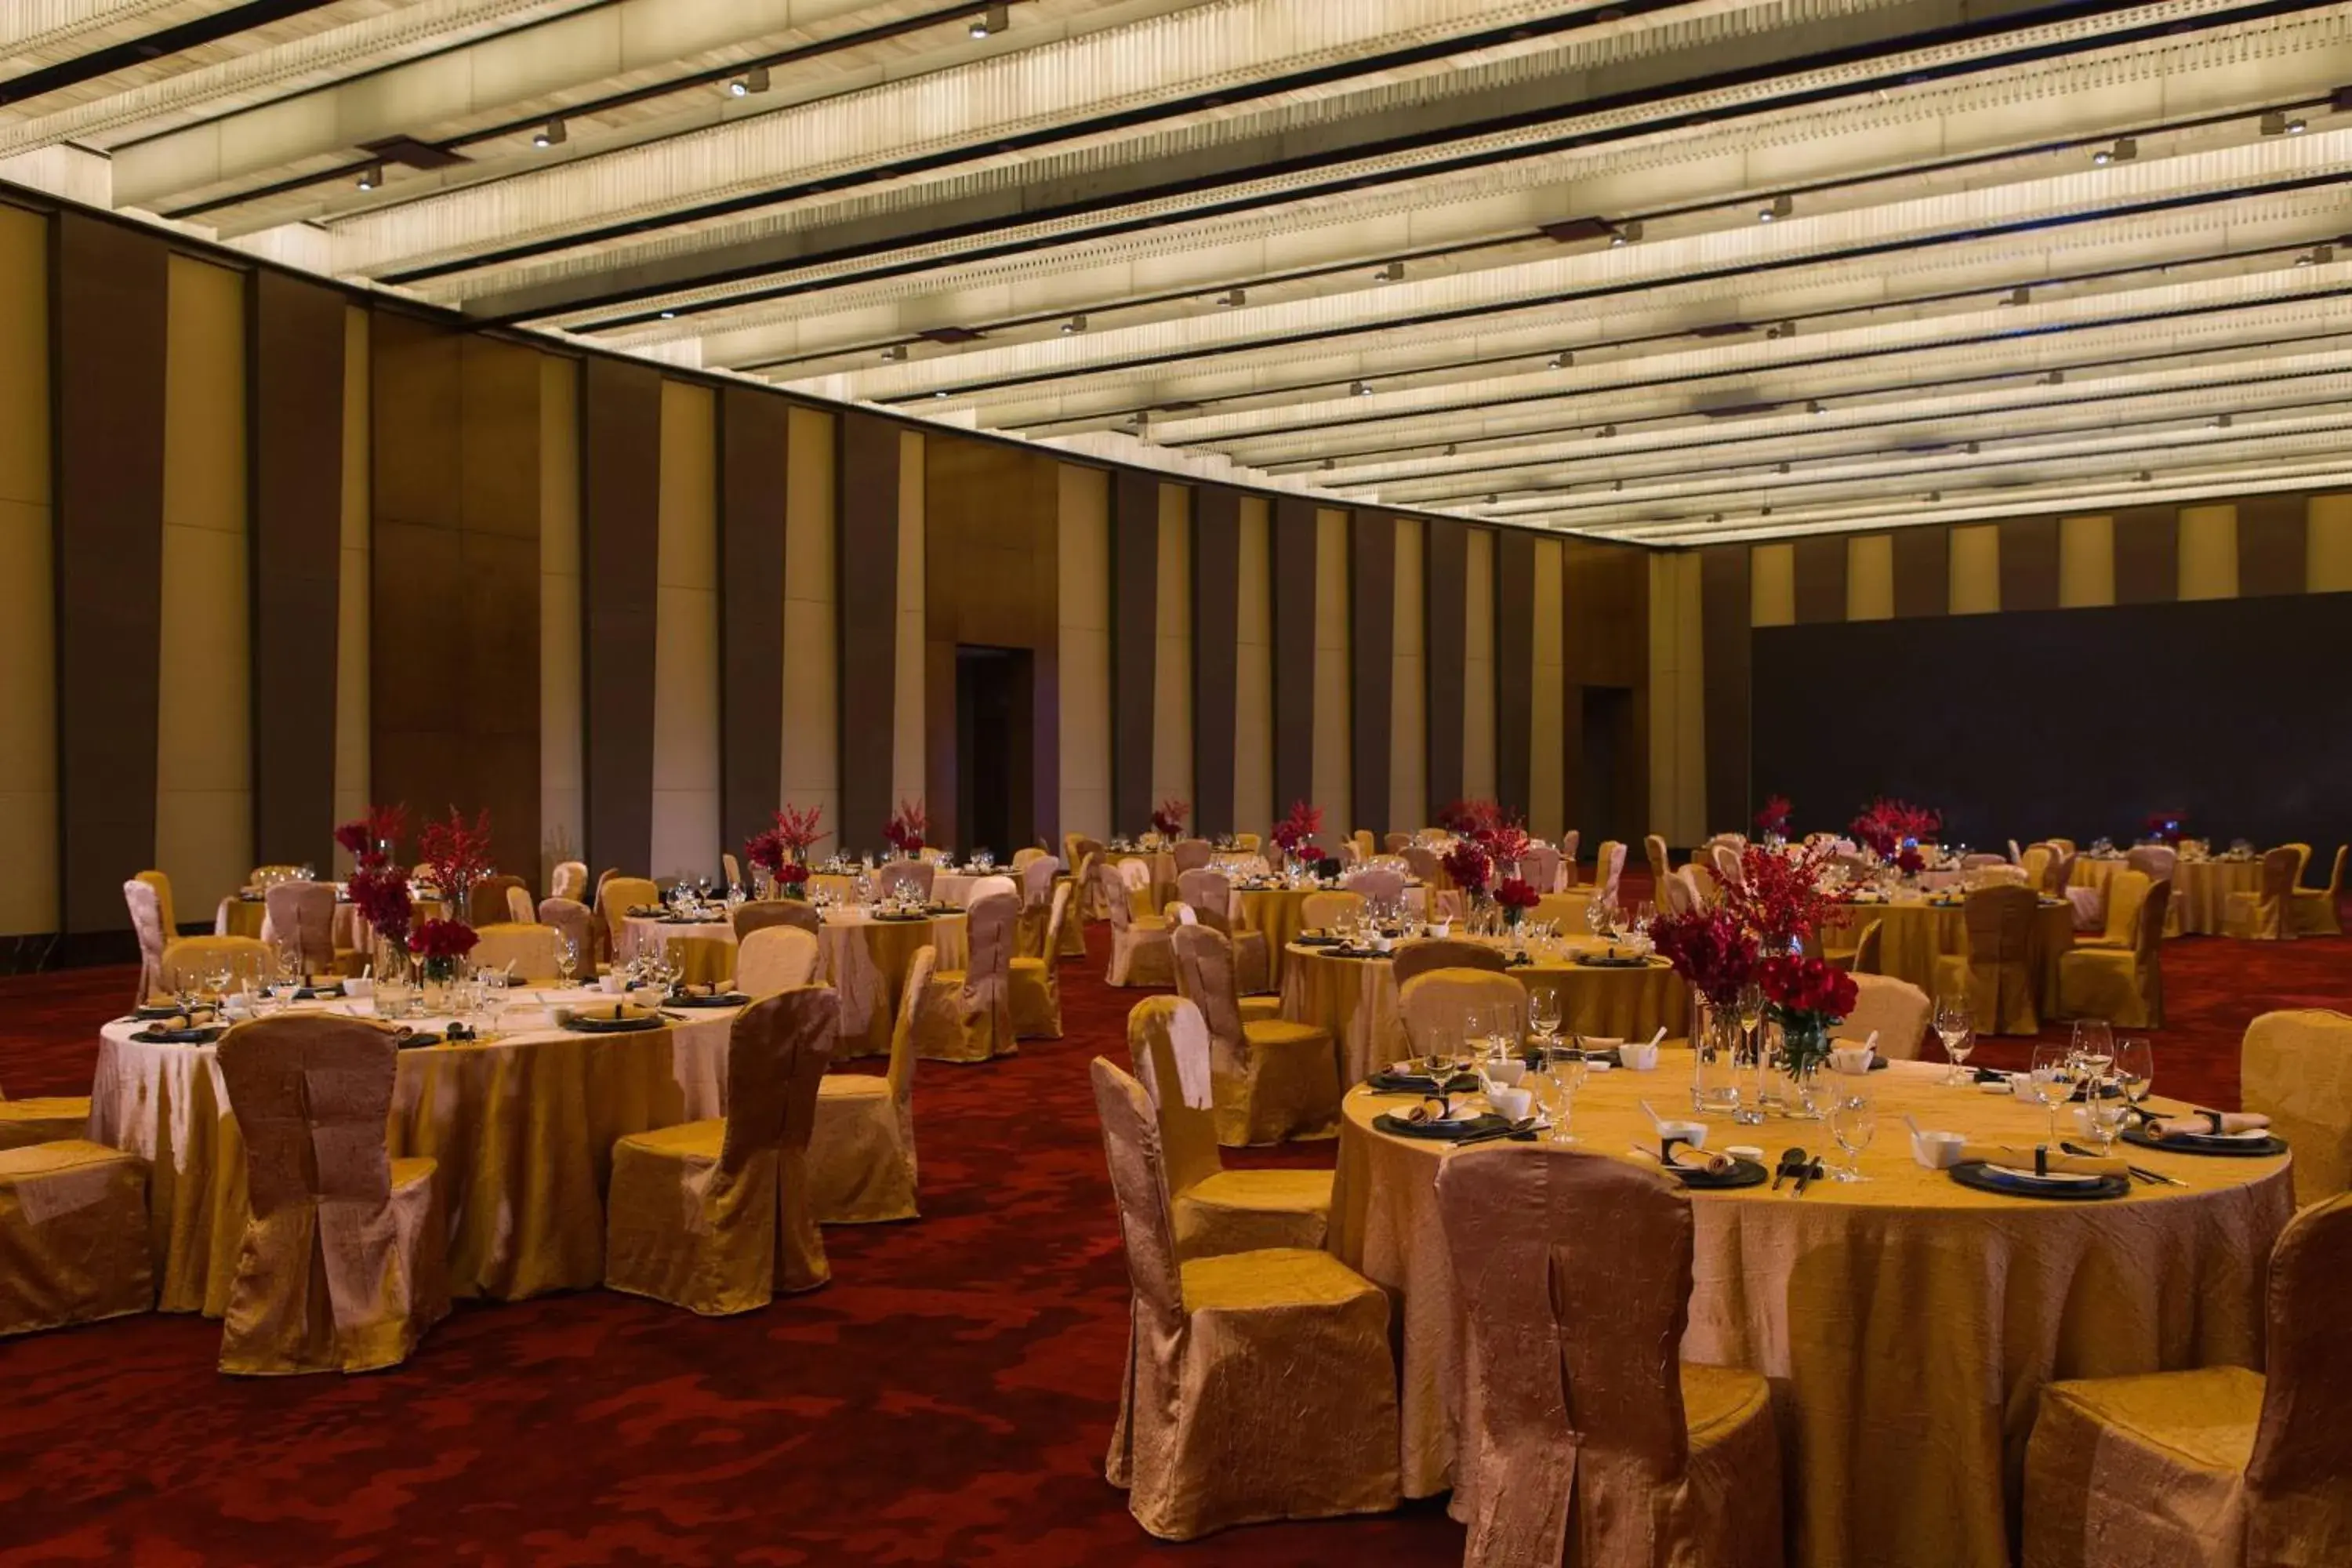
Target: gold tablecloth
[[1907, 1323], [1277, 911], [2200, 894], [866, 961], [523, 1129], [1355, 999], [241, 916], [1913, 935], [703, 950]]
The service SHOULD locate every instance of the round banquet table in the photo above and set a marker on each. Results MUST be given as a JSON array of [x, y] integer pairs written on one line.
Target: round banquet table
[[1277, 911], [1905, 1323], [523, 1129], [703, 951], [1914, 933], [863, 958], [946, 887], [1355, 999], [240, 915]]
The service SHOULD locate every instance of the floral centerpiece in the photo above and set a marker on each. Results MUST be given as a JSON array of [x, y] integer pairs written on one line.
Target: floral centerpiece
[[459, 856], [1807, 997], [1295, 834], [440, 946], [1467, 818], [1505, 842], [782, 850], [792, 879], [1517, 897], [1885, 826], [1711, 949], [1772, 822], [1782, 899], [904, 832], [378, 885], [1168, 817], [2166, 826], [1468, 864]]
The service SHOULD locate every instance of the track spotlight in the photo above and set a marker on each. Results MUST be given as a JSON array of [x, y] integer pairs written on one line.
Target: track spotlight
[[551, 134], [372, 176], [1780, 467], [750, 82], [1562, 360], [1450, 448], [1973, 449], [1234, 297], [1814, 405], [2317, 256], [1781, 208], [1359, 389], [1392, 273], [1626, 233], [1781, 330], [2143, 475], [1609, 430], [895, 354], [2124, 148], [2020, 295], [669, 315], [2219, 422], [990, 22], [2277, 123], [2054, 378], [1076, 324], [1935, 494]]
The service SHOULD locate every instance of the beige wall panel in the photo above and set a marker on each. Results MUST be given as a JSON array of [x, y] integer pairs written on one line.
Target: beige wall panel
[[2208, 551], [2327, 545], [1478, 671], [906, 750], [1333, 764], [353, 585], [1772, 585], [812, 773], [1409, 689], [1171, 694], [203, 752], [1976, 570], [686, 636], [1082, 548], [1870, 577], [1547, 781], [1254, 808], [1677, 701], [562, 798], [2087, 562], [28, 663]]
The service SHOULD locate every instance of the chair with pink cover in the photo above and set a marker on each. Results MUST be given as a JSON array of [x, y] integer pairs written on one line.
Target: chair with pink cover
[[1274, 1079], [1210, 896], [1140, 955], [904, 877], [1376, 884], [967, 1014], [1539, 869], [300, 917]]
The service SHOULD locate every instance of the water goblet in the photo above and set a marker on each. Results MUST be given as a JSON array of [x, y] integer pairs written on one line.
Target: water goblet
[[1956, 1029], [567, 961], [2135, 1068], [2051, 1074], [1853, 1120], [2094, 1046]]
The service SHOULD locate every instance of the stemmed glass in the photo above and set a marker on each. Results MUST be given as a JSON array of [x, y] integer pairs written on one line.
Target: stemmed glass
[[2051, 1074], [1752, 1018], [1956, 1029], [1543, 1017], [1853, 1120], [567, 961], [2134, 1069], [1558, 1076], [2094, 1046]]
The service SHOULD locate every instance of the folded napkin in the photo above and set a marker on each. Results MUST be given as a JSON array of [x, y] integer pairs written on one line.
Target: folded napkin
[[2198, 1122], [2042, 1159], [1683, 1157], [202, 1018]]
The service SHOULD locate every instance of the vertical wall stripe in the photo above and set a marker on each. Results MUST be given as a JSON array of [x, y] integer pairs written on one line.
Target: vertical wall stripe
[[562, 785], [1216, 607], [108, 293], [2029, 564], [811, 650], [1444, 644], [686, 840], [1334, 783], [2087, 562], [1478, 666], [1372, 599], [867, 572], [1819, 591], [28, 652], [1082, 546], [620, 459], [911, 710], [1772, 585], [1547, 778], [1923, 572], [1172, 684], [1724, 600], [1869, 577], [1291, 588], [499, 565], [753, 439], [353, 639], [1253, 745], [1976, 570], [2327, 561], [2209, 552], [2148, 555], [1409, 688], [296, 433], [1677, 674], [1134, 633], [1515, 669], [2271, 548]]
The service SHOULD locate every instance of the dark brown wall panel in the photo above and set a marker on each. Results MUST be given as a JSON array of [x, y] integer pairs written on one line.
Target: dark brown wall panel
[[2148, 555], [1291, 592], [1445, 577], [753, 437], [108, 321], [1724, 654], [1819, 571], [1134, 643], [2274, 545], [1216, 632], [1371, 679], [620, 507], [2029, 564], [296, 432], [1923, 574], [1515, 671], [866, 562]]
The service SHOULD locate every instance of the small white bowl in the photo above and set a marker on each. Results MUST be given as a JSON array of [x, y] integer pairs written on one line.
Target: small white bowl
[[1934, 1150], [1639, 1057], [360, 986], [1691, 1133], [1507, 1071], [1851, 1060], [612, 984], [1511, 1104]]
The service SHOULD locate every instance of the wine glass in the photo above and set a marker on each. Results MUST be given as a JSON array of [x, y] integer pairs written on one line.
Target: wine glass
[[2103, 1115], [1478, 1035], [2094, 1046], [1956, 1029], [2134, 1069], [2051, 1074], [1563, 1071], [567, 960], [1751, 1015], [1853, 1120], [1543, 1015]]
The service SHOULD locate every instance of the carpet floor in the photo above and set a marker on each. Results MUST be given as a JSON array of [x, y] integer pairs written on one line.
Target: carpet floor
[[945, 1400]]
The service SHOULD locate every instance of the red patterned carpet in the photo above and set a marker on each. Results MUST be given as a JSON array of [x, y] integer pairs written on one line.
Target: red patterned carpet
[[946, 1400]]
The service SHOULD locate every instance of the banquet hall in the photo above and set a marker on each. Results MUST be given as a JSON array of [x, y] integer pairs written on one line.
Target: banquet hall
[[1244, 782]]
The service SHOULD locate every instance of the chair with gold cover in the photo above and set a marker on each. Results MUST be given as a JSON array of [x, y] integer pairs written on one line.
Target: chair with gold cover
[[2266, 915], [1427, 866], [1077, 849], [1273, 1078], [1139, 954], [342, 1266], [486, 900], [575, 924], [1036, 978], [1037, 878], [148, 896], [614, 900], [1190, 854], [1728, 872], [526, 952], [2217, 1467], [733, 869], [1866, 959], [905, 876], [2036, 861], [776, 958], [1584, 1437], [1434, 1005], [1396, 843], [1896, 1009], [2294, 1067], [2314, 911], [1445, 952], [1259, 1385], [759, 914], [1608, 866], [1213, 1210], [300, 917], [1996, 971], [966, 1014], [718, 1216], [519, 909], [1380, 884], [1539, 869], [2124, 984], [1208, 894], [1569, 870], [1654, 847], [74, 1245], [861, 1155], [47, 1118], [1322, 911], [187, 960]]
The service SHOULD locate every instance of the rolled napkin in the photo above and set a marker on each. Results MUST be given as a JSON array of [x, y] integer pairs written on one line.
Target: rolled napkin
[[2043, 1160], [1683, 1157], [698, 990], [2198, 1122]]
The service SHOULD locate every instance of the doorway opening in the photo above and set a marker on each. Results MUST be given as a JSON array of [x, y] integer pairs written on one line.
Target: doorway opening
[[1609, 779], [995, 704]]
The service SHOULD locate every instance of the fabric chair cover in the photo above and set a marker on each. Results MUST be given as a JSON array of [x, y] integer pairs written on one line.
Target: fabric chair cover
[[2000, 874], [759, 914], [1979, 862], [1434, 1005], [2154, 861], [1445, 952], [1028, 856], [2314, 910], [966, 1013], [1076, 850], [526, 949], [1679, 892], [1208, 894], [1140, 955], [2062, 846], [73, 1234], [1321, 911], [343, 1264], [615, 899], [568, 880], [1192, 854], [2062, 872], [162, 886], [2220, 1468], [2119, 924], [2264, 915], [1608, 866], [1425, 864], [1539, 869], [1380, 884], [1259, 1385], [1367, 845], [2123, 985], [1272, 1080], [1036, 980], [1397, 843], [994, 887], [1037, 880], [861, 1154], [148, 924], [2036, 861], [2296, 1067], [1866, 959], [718, 1216], [186, 961], [486, 900], [776, 958], [49, 1119], [1654, 847], [300, 916], [733, 868], [1726, 861], [1996, 972], [906, 877], [1897, 1009], [1584, 1437], [519, 909], [575, 922]]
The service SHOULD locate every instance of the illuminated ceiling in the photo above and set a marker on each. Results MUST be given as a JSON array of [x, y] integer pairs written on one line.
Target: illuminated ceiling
[[1675, 272]]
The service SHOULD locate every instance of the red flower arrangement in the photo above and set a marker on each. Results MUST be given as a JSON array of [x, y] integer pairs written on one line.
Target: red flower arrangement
[[378, 888], [1295, 834], [1466, 818], [1773, 820], [1469, 865], [370, 838], [1168, 816], [1805, 991], [459, 855], [1779, 896], [2166, 826], [1887, 825], [443, 939], [904, 832], [1517, 897], [1710, 950], [793, 877], [787, 842], [1505, 843], [1909, 861]]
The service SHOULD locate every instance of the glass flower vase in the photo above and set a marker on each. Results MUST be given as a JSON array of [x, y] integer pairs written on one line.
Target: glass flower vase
[[1716, 1086]]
